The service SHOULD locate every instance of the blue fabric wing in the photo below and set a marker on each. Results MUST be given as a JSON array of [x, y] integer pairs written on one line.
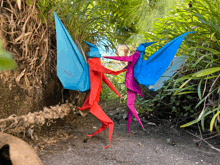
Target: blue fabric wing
[[172, 68], [72, 70], [138, 65], [149, 72]]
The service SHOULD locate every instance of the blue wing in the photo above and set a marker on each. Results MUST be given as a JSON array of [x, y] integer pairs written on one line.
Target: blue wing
[[172, 68], [72, 70], [138, 65], [149, 72]]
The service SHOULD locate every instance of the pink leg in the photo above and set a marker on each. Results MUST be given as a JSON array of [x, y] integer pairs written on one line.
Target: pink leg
[[130, 103], [129, 119]]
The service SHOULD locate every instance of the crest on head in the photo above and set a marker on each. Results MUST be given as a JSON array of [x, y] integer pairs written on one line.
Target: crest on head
[[94, 51]]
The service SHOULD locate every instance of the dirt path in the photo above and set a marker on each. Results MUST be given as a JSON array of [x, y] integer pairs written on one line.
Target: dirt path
[[159, 144]]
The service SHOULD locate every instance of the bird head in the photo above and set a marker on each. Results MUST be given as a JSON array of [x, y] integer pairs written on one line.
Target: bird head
[[143, 46], [94, 51]]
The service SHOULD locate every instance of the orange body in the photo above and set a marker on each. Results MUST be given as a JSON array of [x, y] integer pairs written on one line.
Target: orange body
[[97, 71]]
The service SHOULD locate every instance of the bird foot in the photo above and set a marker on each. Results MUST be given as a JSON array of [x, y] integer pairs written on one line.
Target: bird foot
[[107, 146]]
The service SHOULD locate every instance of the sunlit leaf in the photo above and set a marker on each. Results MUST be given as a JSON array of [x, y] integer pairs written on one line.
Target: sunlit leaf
[[6, 60], [182, 86], [209, 49], [188, 92], [213, 120], [196, 120], [205, 72], [210, 77]]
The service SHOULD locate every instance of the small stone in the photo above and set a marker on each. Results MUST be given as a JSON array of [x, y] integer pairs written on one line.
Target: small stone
[[29, 133], [117, 109], [125, 116], [173, 143], [150, 123], [36, 137], [111, 114], [139, 144]]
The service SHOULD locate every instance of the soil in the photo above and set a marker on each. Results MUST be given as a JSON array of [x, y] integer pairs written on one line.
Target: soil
[[65, 143]]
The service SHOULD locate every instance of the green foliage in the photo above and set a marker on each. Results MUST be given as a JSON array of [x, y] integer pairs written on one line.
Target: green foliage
[[91, 20], [85, 20], [163, 104], [201, 72], [6, 60], [118, 81], [46, 7], [147, 13], [161, 21]]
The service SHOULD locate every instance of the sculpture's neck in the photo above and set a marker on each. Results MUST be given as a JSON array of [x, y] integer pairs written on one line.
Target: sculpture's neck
[[96, 60], [137, 66]]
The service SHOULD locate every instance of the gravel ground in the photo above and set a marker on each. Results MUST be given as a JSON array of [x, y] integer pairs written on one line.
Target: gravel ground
[[159, 144]]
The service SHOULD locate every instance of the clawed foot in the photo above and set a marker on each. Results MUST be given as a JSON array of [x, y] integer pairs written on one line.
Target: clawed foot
[[107, 146]]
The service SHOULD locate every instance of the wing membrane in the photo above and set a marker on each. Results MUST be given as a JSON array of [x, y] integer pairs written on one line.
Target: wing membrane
[[152, 69], [72, 70], [172, 68]]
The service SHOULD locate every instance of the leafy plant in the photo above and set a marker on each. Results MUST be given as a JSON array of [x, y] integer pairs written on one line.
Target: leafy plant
[[117, 81], [91, 20], [6, 60], [45, 7], [201, 72]]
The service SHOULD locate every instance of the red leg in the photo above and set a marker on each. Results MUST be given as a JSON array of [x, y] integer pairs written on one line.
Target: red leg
[[97, 111], [86, 104]]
